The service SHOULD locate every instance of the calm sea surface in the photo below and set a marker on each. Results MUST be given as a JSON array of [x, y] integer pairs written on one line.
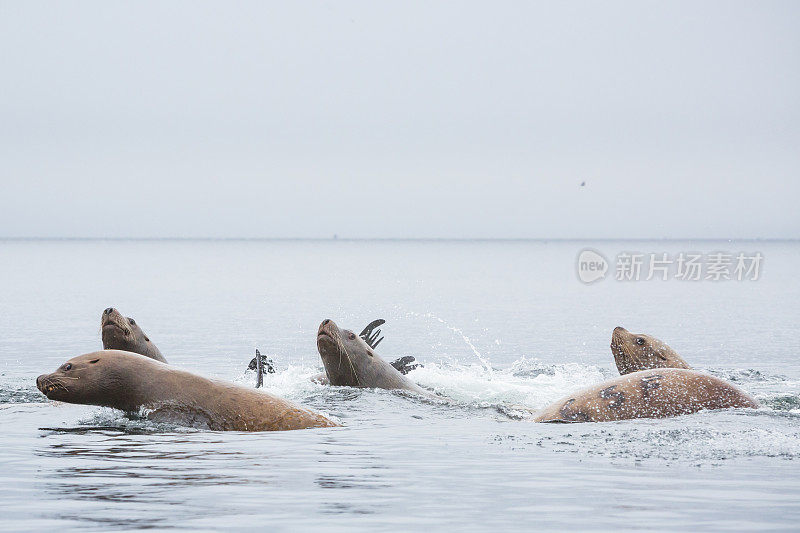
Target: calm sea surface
[[494, 323]]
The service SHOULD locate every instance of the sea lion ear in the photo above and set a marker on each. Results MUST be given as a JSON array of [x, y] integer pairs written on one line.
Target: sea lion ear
[[93, 361]]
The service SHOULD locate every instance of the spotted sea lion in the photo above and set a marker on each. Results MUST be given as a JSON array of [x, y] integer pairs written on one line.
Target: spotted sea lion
[[656, 393], [636, 351], [135, 383], [350, 361], [123, 333]]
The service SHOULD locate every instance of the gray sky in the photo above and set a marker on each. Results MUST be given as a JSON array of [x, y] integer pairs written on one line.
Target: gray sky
[[400, 119]]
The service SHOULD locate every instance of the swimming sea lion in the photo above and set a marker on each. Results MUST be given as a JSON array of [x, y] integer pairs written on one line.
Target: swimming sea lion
[[135, 383], [123, 333], [404, 365], [635, 351], [657, 393], [371, 336], [350, 361]]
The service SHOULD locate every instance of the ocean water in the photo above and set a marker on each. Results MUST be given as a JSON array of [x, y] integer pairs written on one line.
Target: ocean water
[[494, 324]]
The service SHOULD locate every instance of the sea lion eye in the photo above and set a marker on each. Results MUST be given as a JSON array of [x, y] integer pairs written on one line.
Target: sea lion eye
[[67, 366], [93, 361], [351, 336], [640, 341], [146, 339], [132, 321]]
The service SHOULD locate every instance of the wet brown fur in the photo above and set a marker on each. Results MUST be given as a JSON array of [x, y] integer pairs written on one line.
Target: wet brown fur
[[655, 393], [135, 383], [350, 362], [123, 333], [634, 352]]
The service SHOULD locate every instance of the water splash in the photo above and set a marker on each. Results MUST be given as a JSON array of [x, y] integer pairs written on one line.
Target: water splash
[[460, 332], [292, 382], [527, 382]]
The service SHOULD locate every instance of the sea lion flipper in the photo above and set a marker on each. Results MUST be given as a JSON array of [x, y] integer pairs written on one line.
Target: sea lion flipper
[[371, 326], [262, 365], [372, 342], [259, 370], [405, 364], [369, 334]]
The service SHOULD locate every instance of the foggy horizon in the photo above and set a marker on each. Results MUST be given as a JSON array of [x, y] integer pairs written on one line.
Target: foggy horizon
[[518, 120], [337, 237]]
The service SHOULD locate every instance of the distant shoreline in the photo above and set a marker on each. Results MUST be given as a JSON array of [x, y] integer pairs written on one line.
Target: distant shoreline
[[391, 239]]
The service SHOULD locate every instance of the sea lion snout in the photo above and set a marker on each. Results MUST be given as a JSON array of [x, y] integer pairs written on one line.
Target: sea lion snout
[[327, 328], [113, 318], [618, 338], [619, 334], [328, 337], [46, 384]]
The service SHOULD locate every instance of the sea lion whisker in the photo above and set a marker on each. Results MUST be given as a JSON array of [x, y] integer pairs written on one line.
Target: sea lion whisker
[[54, 384], [344, 355], [353, 368]]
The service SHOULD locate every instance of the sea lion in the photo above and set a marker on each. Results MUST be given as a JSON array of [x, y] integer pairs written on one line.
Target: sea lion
[[656, 393], [371, 336], [636, 351], [404, 365], [135, 383], [123, 333], [349, 361]]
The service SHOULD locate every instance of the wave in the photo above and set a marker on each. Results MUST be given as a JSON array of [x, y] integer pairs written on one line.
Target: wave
[[525, 385], [18, 393]]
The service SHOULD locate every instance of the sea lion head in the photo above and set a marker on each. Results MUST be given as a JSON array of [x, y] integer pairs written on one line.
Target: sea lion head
[[123, 333], [636, 351], [98, 378], [347, 358]]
